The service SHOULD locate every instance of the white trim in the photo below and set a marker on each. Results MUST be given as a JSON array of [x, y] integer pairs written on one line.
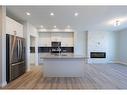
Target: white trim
[[113, 62], [3, 46], [4, 61], [4, 84], [109, 62], [36, 51], [55, 30], [120, 62], [1, 85]]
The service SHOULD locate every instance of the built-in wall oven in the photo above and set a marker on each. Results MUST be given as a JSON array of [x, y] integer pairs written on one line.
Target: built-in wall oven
[[56, 44]]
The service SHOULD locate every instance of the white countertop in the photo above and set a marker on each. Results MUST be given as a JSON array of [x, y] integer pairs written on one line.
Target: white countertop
[[62, 55]]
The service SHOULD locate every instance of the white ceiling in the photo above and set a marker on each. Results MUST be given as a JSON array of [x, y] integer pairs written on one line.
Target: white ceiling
[[90, 17]]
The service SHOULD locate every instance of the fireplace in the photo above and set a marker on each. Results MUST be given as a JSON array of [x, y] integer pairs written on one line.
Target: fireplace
[[97, 54]]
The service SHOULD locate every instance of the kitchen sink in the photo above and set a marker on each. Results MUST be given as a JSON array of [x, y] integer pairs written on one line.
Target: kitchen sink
[[60, 54], [63, 54]]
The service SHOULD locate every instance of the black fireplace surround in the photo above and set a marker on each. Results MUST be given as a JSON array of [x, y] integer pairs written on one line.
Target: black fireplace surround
[[97, 54]]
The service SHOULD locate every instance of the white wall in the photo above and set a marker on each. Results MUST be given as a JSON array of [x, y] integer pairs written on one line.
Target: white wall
[[122, 46], [102, 41], [2, 46], [30, 30], [26, 35], [33, 31], [80, 43], [34, 34], [32, 41]]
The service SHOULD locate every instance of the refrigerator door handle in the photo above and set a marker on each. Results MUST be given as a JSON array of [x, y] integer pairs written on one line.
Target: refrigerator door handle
[[21, 49], [18, 50]]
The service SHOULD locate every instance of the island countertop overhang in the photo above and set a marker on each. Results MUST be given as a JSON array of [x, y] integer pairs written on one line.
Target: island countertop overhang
[[62, 56]]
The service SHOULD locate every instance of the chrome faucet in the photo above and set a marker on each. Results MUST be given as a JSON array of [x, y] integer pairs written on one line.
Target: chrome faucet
[[59, 49]]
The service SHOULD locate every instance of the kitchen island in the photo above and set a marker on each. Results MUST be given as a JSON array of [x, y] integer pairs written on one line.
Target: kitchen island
[[63, 65]]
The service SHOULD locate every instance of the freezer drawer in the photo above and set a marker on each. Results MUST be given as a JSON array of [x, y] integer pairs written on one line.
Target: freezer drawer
[[17, 69]]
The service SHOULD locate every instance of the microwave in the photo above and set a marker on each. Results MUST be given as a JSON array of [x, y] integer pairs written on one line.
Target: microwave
[[56, 44]]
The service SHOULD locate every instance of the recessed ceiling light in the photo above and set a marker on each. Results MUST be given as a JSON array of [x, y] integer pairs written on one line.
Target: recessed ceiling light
[[41, 26], [43, 29], [76, 14], [27, 13], [52, 14], [68, 30], [68, 26], [116, 23], [54, 26]]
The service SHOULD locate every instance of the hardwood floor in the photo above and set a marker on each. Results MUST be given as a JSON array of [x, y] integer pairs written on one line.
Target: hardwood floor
[[96, 76]]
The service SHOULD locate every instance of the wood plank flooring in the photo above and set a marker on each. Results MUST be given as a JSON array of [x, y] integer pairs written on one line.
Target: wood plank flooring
[[96, 76]]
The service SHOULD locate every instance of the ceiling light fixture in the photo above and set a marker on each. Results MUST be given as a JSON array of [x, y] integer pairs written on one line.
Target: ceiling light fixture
[[68, 26], [116, 23], [54, 26], [76, 14], [41, 26], [52, 14], [27, 13]]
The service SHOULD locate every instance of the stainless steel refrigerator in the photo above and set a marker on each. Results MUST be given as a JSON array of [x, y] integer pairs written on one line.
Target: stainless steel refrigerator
[[15, 57]]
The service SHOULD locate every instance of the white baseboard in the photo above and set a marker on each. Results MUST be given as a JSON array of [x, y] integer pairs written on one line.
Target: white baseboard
[[3, 84], [113, 62], [120, 62], [36, 64]]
